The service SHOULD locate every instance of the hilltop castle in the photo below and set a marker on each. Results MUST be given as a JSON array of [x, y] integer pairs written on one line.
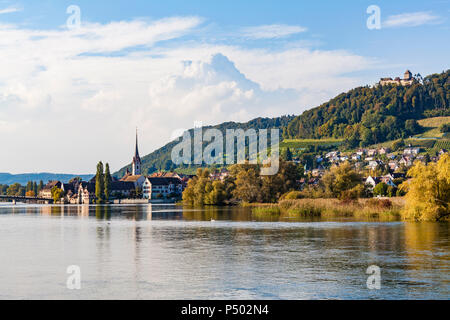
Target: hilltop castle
[[406, 81]]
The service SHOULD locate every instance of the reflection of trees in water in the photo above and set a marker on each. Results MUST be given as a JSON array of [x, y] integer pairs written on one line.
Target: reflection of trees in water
[[103, 212], [209, 213], [427, 248]]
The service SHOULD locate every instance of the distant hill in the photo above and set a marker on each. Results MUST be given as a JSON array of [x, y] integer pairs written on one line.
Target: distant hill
[[161, 158], [7, 178], [370, 115]]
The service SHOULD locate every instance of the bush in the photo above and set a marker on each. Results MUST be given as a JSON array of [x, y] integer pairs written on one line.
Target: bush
[[293, 195], [380, 189]]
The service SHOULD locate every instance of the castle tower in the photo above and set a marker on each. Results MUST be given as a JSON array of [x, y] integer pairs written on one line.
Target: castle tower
[[136, 164], [407, 76]]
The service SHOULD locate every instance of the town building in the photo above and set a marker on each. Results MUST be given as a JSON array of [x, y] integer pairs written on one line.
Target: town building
[[411, 151], [373, 181], [46, 192], [162, 188]]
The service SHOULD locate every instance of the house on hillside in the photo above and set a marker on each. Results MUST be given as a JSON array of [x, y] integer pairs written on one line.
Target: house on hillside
[[374, 164], [406, 161], [411, 151], [372, 181], [393, 165]]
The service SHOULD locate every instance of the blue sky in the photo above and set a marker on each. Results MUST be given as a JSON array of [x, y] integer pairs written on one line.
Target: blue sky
[[161, 65]]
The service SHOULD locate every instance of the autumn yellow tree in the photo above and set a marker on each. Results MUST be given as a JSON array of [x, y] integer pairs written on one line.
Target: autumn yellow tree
[[428, 197], [30, 194]]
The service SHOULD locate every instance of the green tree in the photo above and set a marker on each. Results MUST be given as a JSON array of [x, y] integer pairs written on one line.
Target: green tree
[[380, 189], [412, 127], [108, 181], [248, 184], [339, 180], [40, 186], [99, 183], [15, 190], [35, 188], [57, 194]]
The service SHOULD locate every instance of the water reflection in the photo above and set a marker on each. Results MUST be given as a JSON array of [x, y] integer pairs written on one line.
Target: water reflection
[[172, 252]]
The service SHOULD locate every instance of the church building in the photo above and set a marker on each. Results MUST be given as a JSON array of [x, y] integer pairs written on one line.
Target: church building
[[136, 172]]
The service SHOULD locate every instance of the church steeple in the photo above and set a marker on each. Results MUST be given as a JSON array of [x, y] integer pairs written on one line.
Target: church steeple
[[136, 159], [136, 154]]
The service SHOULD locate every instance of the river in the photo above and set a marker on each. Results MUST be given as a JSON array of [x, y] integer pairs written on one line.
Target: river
[[170, 252]]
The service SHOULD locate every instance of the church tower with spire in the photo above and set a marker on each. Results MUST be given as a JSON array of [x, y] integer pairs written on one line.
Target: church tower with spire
[[136, 164]]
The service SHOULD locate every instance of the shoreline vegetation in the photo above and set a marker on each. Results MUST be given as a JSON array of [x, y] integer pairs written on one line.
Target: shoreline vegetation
[[341, 192], [383, 209]]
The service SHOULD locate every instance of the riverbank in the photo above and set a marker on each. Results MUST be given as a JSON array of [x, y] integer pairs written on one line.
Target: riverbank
[[389, 209]]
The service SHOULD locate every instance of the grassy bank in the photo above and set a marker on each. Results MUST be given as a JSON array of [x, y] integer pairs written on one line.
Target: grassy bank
[[363, 208]]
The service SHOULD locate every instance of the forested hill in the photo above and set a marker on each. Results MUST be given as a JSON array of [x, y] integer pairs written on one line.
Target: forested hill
[[161, 158], [368, 115]]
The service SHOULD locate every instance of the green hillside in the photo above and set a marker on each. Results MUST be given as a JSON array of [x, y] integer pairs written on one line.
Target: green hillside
[[161, 158], [370, 115]]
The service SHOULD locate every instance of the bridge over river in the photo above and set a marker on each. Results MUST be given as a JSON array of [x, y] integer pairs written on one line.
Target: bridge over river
[[16, 199]]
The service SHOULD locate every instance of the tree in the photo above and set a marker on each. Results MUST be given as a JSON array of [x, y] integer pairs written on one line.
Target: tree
[[108, 180], [15, 190], [412, 127], [30, 194], [341, 179], [202, 191], [99, 183], [57, 194], [248, 184], [380, 189], [428, 197], [40, 186], [274, 186], [288, 155], [398, 144]]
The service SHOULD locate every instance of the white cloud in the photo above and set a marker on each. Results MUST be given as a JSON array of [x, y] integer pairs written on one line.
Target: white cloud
[[10, 9], [272, 31], [66, 102], [412, 19]]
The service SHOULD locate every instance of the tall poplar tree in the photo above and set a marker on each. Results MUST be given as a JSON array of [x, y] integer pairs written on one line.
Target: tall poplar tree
[[108, 180], [100, 183]]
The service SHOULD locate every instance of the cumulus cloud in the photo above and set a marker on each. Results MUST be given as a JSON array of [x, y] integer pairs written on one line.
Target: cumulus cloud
[[272, 31], [412, 19], [69, 98]]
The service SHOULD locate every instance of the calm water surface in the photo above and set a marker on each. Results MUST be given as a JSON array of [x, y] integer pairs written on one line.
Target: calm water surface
[[167, 252]]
